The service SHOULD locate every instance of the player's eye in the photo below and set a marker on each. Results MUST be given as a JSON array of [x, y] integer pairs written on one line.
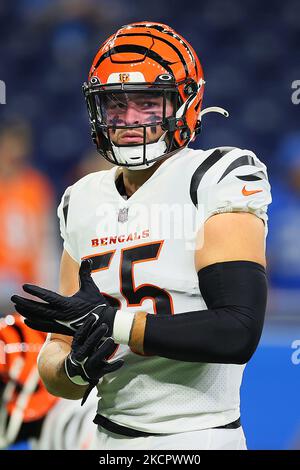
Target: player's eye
[[149, 105]]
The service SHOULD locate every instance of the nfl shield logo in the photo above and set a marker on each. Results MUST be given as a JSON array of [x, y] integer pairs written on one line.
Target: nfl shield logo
[[123, 215]]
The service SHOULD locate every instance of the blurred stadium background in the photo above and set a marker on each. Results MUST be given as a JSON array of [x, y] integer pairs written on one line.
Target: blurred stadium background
[[250, 54]]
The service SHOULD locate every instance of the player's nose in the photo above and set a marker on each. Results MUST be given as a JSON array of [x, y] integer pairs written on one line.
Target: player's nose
[[132, 115]]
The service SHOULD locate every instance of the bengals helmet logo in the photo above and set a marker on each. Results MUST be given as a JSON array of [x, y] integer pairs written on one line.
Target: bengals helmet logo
[[124, 77]]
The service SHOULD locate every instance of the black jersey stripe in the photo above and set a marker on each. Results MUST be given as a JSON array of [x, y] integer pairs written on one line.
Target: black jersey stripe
[[66, 202], [182, 59], [249, 178], [144, 51], [241, 161], [203, 168]]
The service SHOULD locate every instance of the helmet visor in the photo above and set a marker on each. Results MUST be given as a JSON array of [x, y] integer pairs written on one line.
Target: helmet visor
[[133, 109]]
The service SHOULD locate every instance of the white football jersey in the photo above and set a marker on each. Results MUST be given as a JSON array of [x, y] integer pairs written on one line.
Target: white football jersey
[[143, 259]]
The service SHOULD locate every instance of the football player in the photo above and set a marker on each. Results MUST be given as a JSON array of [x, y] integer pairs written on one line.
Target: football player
[[170, 248]]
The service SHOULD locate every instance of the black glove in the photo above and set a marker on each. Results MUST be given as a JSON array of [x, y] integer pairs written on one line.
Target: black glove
[[62, 314], [86, 362]]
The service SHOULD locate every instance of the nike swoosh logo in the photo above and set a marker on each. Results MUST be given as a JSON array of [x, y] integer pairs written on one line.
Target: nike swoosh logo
[[248, 193]]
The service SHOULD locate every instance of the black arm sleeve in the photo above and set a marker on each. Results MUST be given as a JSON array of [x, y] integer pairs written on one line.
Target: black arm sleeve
[[235, 293]]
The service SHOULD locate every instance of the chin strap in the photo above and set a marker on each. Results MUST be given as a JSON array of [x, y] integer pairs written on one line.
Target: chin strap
[[214, 109], [135, 153]]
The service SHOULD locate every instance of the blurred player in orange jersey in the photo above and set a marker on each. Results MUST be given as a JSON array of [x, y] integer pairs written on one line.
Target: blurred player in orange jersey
[[24, 401], [28, 413], [25, 208]]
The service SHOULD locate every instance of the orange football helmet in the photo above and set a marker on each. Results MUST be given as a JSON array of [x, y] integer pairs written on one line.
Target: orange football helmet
[[152, 60]]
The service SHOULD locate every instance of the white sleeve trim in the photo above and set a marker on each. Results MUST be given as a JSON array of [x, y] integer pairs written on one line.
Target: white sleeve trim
[[122, 326]]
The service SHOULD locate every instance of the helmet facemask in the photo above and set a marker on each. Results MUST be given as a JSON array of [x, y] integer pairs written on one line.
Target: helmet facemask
[[133, 124]]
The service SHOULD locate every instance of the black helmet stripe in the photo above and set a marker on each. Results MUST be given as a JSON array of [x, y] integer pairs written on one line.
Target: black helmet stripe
[[186, 47], [138, 50], [170, 33], [166, 42]]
